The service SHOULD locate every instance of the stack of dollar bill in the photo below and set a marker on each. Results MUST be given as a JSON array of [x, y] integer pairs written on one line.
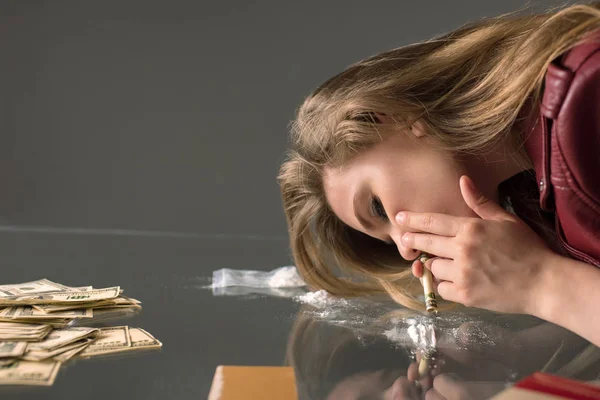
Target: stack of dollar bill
[[41, 327]]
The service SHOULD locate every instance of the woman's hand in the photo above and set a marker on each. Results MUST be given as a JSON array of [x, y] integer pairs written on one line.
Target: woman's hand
[[494, 262]]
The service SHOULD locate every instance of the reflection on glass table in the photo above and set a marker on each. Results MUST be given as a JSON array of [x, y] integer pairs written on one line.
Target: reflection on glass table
[[360, 349]]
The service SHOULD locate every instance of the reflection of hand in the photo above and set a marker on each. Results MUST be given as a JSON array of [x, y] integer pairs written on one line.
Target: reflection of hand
[[403, 388], [423, 381], [451, 387]]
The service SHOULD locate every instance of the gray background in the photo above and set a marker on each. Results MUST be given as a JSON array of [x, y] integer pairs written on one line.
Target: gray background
[[140, 145]]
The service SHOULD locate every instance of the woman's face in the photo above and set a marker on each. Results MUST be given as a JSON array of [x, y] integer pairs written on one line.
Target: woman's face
[[398, 174]]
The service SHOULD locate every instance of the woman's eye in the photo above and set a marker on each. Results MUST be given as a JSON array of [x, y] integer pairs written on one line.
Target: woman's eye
[[377, 209]]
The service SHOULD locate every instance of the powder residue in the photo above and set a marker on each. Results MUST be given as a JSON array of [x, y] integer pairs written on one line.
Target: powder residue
[[421, 335], [414, 334], [286, 277], [475, 334], [395, 335], [320, 299]]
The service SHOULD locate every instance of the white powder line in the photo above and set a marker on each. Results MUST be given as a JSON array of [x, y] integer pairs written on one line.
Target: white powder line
[[321, 299], [421, 335], [133, 232]]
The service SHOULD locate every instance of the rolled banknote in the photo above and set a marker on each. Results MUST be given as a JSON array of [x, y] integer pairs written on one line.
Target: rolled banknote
[[427, 282]]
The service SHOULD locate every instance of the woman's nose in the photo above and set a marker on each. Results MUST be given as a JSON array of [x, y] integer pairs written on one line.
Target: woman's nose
[[405, 251]]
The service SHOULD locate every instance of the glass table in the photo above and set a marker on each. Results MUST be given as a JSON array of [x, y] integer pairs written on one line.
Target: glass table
[[350, 349]]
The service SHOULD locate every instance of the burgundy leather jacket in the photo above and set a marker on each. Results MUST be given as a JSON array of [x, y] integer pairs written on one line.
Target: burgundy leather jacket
[[564, 145]]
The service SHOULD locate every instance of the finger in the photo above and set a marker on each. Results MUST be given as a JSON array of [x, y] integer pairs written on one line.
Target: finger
[[417, 268], [413, 372], [478, 202], [405, 388], [437, 367], [439, 224], [426, 382], [442, 269], [433, 394], [447, 291], [441, 246]]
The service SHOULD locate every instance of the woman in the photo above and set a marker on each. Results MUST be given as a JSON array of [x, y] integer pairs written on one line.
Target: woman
[[424, 149]]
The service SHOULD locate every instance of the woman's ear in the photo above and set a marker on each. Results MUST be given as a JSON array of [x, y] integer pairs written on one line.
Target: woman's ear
[[418, 129]]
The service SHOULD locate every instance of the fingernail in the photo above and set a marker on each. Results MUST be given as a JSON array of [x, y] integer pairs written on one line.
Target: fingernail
[[406, 237], [400, 217]]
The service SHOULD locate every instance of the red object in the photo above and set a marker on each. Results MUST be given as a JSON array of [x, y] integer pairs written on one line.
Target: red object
[[557, 386], [564, 145]]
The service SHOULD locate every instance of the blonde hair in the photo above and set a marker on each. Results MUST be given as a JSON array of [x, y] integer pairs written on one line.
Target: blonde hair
[[467, 87]]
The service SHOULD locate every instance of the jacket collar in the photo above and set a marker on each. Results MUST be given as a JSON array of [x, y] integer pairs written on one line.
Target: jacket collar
[[538, 126]]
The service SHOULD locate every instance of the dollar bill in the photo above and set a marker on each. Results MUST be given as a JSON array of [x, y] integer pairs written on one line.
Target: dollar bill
[[53, 322], [142, 339], [131, 299], [40, 355], [28, 312], [12, 349], [39, 286], [6, 361], [117, 306], [110, 340], [23, 372], [120, 301], [67, 355], [13, 331], [61, 337], [22, 327], [63, 297], [139, 339], [22, 337], [35, 337], [113, 313], [34, 366]]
